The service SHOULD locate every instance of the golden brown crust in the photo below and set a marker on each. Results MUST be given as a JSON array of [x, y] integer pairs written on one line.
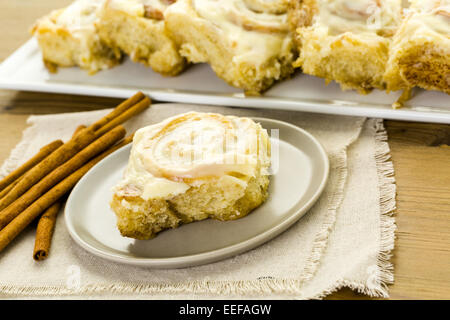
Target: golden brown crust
[[356, 60], [144, 39], [203, 41], [420, 56], [141, 219], [154, 216], [61, 48], [300, 14], [422, 66]]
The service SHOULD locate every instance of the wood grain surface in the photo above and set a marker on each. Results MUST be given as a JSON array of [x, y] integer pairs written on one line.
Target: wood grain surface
[[420, 152]]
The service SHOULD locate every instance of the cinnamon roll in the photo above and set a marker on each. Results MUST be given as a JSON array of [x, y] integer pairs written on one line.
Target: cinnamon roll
[[137, 28], [69, 37], [192, 167], [420, 53], [246, 42], [345, 40]]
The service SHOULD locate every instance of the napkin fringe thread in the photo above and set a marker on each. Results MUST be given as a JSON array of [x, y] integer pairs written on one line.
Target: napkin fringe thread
[[388, 191], [243, 287], [383, 275]]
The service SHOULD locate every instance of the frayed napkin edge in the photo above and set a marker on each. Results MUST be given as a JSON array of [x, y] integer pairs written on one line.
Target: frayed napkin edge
[[388, 191]]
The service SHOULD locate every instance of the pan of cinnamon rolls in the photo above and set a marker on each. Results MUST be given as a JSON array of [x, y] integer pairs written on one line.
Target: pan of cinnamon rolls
[[252, 44]]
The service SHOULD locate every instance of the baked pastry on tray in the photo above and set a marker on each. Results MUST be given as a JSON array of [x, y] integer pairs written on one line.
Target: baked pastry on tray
[[68, 37], [137, 28], [345, 40], [420, 53], [246, 42], [192, 167]]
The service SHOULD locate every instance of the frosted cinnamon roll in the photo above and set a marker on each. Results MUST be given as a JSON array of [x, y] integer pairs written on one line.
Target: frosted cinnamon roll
[[137, 28], [192, 167], [345, 40], [420, 53], [246, 42], [68, 37]]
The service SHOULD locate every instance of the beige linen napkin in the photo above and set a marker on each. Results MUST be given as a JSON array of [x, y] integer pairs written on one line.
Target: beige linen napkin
[[344, 240]]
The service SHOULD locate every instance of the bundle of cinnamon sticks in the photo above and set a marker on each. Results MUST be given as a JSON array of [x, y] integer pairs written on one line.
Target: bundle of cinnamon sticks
[[38, 186]]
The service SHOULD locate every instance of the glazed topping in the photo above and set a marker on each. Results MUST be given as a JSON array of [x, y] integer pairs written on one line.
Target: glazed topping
[[429, 18], [435, 15], [169, 157], [438, 20], [428, 5], [267, 6], [253, 32], [80, 15], [239, 13], [359, 16], [152, 9]]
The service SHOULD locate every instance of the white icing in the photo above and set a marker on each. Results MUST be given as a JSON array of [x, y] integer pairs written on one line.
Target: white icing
[[253, 35], [427, 20], [431, 15], [436, 21], [358, 16], [168, 158], [137, 7], [80, 15]]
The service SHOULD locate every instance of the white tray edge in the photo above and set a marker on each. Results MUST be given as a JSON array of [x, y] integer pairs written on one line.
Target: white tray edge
[[429, 114]]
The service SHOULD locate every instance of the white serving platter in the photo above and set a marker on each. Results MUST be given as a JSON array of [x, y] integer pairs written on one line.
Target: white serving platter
[[24, 70], [297, 184]]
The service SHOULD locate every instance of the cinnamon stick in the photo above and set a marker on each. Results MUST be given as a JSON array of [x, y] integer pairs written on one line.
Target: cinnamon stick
[[137, 103], [44, 232], [19, 223], [8, 188], [134, 110], [55, 159], [41, 155], [78, 130], [47, 222], [118, 110], [95, 148]]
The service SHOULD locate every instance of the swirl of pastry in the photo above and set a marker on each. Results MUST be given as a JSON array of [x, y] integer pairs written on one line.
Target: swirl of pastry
[[268, 6], [438, 19], [198, 145], [80, 15], [429, 5], [355, 10], [359, 16], [433, 15], [150, 9], [443, 9], [251, 15]]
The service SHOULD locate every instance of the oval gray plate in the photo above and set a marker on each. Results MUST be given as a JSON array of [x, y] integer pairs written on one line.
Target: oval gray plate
[[297, 184]]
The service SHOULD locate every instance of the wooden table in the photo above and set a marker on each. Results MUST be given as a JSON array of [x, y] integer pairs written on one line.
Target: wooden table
[[420, 152]]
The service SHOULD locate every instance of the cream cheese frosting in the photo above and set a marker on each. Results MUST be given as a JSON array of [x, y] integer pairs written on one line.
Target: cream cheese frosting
[[432, 16], [169, 157], [80, 15], [251, 27], [139, 7], [426, 20], [368, 17]]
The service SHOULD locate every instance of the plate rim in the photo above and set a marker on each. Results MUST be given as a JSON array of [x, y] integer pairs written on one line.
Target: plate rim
[[217, 254]]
